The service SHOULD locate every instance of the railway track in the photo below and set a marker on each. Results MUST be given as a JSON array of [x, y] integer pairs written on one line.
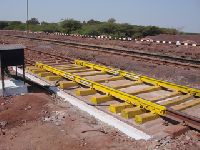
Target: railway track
[[153, 57], [141, 109], [123, 92]]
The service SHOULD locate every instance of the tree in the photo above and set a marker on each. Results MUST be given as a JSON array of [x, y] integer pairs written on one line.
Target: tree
[[151, 30], [93, 22], [15, 23], [33, 21], [108, 28], [111, 20], [44, 23], [50, 27], [70, 25], [3, 24]]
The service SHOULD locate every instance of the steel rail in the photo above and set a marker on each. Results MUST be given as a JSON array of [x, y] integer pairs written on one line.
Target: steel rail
[[186, 62]]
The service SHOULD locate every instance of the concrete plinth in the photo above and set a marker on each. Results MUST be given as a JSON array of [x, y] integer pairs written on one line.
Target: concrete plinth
[[13, 87]]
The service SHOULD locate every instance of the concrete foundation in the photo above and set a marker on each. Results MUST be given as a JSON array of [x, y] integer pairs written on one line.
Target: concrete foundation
[[13, 87]]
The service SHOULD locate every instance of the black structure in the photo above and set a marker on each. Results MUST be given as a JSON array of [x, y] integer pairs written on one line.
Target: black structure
[[11, 55]]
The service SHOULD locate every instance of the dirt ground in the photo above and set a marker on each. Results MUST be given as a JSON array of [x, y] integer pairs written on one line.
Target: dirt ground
[[181, 38], [38, 121], [167, 49]]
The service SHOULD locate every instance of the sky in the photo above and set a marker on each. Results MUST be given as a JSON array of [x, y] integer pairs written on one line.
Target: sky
[[183, 15]]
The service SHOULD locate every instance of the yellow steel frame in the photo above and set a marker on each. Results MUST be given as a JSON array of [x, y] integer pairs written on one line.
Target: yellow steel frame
[[131, 99], [133, 76]]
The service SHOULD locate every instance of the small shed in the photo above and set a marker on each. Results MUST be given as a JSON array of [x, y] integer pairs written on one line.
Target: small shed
[[11, 55]]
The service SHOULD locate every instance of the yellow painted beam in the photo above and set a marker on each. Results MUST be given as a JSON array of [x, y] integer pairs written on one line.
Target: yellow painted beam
[[128, 98], [117, 108], [53, 78], [44, 74], [164, 84], [140, 119], [32, 69], [85, 91], [67, 84], [36, 71], [98, 99], [131, 112]]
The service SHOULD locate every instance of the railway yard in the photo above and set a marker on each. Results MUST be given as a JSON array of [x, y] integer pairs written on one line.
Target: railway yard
[[90, 93]]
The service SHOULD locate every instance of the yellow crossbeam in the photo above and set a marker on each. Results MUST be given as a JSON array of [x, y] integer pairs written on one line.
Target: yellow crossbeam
[[67, 84], [98, 99], [131, 112], [44, 74], [142, 118], [85, 91], [133, 76], [131, 99], [117, 108]]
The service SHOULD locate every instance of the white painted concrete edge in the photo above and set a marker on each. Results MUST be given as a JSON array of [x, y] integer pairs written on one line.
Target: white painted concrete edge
[[98, 114]]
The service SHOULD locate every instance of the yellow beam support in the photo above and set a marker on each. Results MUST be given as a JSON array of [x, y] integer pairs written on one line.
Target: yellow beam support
[[37, 71], [117, 108], [53, 78], [164, 84], [140, 119], [186, 105], [85, 91], [131, 112], [176, 101], [32, 69], [131, 99], [67, 84], [44, 74], [98, 99], [144, 117]]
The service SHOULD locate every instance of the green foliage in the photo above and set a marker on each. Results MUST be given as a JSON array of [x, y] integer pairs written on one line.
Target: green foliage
[[33, 21], [3, 24], [50, 27], [70, 25], [93, 22], [111, 20], [91, 27]]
